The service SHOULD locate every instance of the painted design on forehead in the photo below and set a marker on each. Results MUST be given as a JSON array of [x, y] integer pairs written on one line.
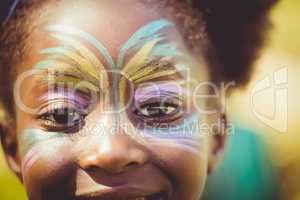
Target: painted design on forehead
[[77, 63], [146, 34], [151, 44], [74, 60]]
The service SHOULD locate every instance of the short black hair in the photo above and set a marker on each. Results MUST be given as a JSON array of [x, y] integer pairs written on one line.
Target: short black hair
[[237, 31]]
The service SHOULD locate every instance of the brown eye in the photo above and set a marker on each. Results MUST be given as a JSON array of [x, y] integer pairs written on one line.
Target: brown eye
[[157, 114], [63, 116], [62, 119], [154, 110], [157, 110]]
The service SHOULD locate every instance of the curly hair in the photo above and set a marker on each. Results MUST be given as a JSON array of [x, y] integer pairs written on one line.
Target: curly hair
[[233, 31]]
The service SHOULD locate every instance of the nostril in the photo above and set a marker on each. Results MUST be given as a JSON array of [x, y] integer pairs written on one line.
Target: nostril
[[109, 166], [92, 169], [97, 169], [132, 164]]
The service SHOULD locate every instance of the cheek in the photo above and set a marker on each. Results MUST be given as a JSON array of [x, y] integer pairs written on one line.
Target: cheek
[[183, 152], [188, 169], [47, 164]]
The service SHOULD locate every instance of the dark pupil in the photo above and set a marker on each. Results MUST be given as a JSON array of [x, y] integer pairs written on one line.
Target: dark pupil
[[64, 116], [157, 111]]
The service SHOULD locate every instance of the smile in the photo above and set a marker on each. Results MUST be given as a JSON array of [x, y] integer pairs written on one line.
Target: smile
[[160, 196], [118, 196]]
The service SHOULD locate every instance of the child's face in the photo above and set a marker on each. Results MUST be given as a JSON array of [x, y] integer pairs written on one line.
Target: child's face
[[115, 117]]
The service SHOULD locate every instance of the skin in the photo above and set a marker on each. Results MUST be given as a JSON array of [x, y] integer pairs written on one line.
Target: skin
[[99, 158]]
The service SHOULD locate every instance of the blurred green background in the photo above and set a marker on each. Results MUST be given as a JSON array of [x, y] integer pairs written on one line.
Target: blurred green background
[[282, 51]]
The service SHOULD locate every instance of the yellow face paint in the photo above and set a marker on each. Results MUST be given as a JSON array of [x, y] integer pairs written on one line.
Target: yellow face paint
[[77, 62]]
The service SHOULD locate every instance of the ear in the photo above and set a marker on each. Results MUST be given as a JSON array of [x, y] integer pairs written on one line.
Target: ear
[[217, 142], [10, 147]]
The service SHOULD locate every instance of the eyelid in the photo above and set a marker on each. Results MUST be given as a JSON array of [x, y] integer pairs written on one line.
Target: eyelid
[[57, 104], [160, 89], [166, 97], [158, 94], [60, 107], [154, 101], [160, 104], [166, 100], [62, 93]]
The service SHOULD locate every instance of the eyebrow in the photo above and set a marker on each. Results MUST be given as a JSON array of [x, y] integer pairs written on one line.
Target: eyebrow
[[71, 78], [72, 62], [153, 70], [139, 68]]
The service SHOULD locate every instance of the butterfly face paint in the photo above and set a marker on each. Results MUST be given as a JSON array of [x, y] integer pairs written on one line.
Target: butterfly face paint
[[160, 114]]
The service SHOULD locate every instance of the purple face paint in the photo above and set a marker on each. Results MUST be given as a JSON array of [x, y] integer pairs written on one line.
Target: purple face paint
[[69, 96], [157, 89]]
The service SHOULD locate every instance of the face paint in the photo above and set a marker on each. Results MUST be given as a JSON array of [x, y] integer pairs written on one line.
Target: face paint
[[64, 29], [31, 137], [82, 63], [152, 60], [149, 43], [148, 33], [184, 134], [149, 39], [139, 70], [36, 143]]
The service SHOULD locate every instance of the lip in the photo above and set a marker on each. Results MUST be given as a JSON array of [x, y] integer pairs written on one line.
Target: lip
[[146, 183], [124, 193]]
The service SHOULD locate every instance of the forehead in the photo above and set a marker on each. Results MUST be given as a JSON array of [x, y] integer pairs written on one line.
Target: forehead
[[110, 22]]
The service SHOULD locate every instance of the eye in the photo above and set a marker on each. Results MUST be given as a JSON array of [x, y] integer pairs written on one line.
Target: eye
[[62, 116], [62, 119], [153, 109], [157, 114], [157, 110]]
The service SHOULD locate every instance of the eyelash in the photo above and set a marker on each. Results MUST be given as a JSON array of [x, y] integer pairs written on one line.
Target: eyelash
[[174, 112], [72, 117]]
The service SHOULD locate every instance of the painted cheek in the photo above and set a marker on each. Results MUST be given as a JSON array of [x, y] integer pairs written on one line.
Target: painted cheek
[[184, 137], [44, 154], [184, 154], [45, 168], [31, 137]]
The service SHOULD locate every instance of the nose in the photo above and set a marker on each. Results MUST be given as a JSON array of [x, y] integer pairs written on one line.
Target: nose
[[112, 154]]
